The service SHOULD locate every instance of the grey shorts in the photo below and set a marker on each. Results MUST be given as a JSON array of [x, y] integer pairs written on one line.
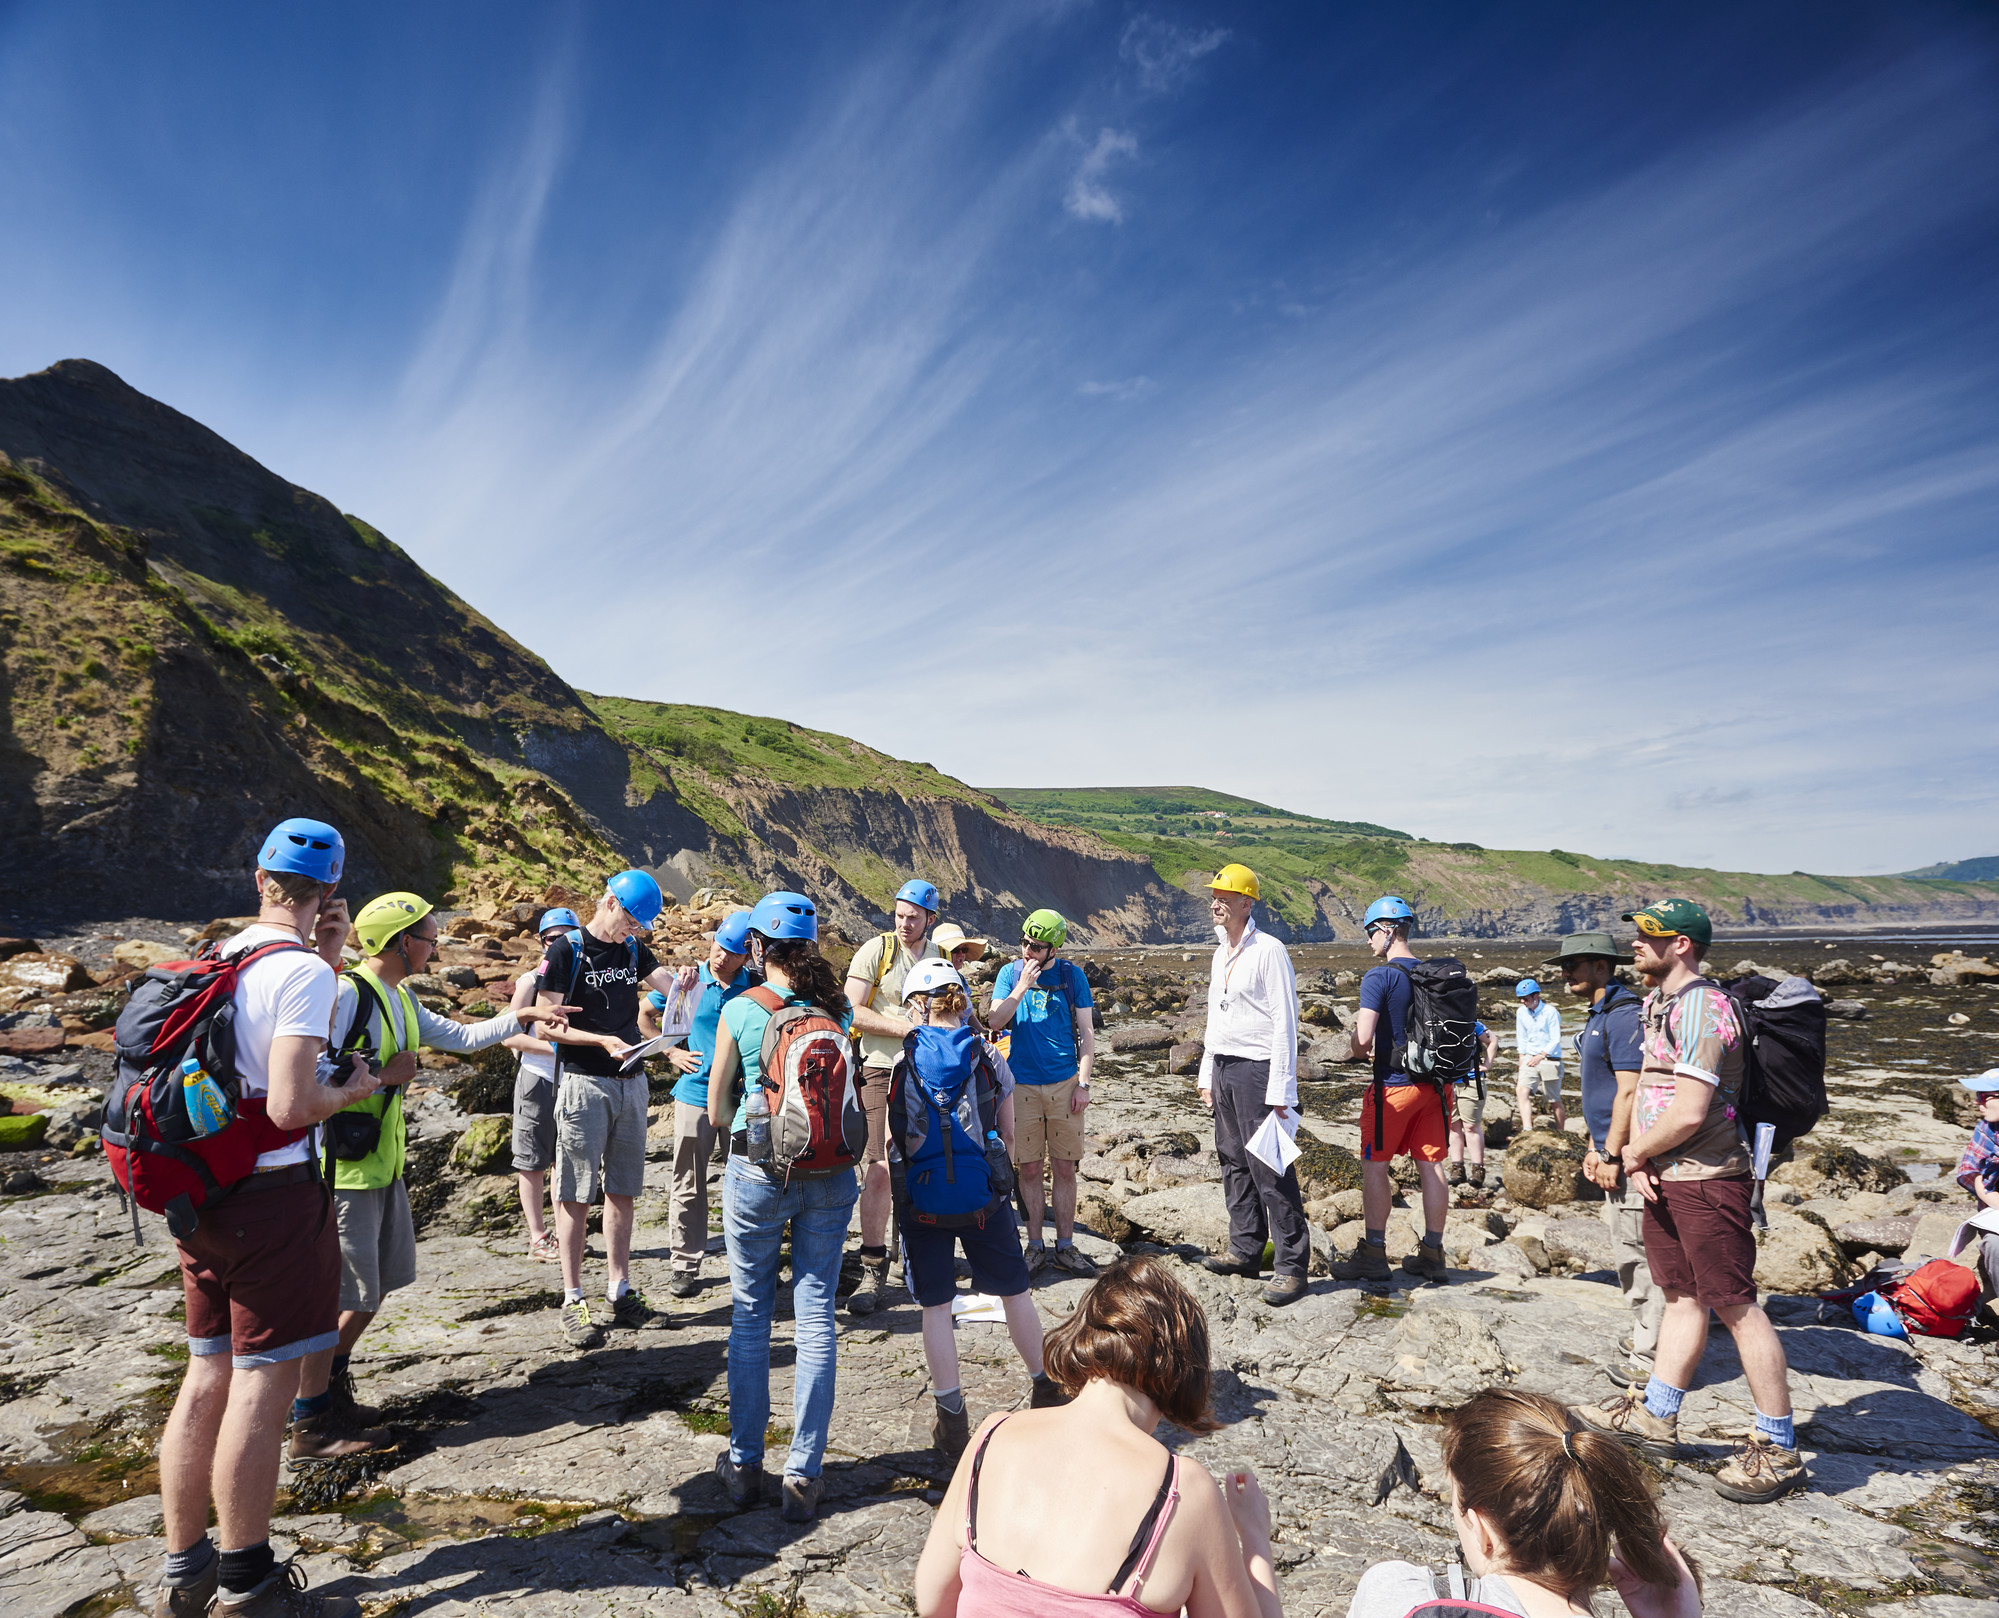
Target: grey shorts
[[600, 1129], [377, 1244], [534, 1121]]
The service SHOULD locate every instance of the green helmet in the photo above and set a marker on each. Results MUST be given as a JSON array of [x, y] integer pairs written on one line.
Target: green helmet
[[1044, 927]]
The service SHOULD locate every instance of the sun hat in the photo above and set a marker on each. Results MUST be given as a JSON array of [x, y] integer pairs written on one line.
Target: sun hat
[[1588, 946], [948, 936]]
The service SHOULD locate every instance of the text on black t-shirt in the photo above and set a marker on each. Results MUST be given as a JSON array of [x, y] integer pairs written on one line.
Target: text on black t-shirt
[[606, 990]]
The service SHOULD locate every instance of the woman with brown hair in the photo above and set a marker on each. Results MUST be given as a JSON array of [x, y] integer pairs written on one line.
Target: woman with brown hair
[[1539, 1502], [1024, 1530]]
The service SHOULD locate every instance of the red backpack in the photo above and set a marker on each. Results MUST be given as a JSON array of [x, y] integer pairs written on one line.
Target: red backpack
[[816, 1121], [177, 1010], [1938, 1299]]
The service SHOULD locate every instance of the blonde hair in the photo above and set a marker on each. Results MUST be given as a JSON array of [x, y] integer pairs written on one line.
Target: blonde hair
[[290, 887]]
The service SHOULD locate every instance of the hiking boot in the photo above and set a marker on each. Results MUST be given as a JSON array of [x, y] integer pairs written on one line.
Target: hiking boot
[[1283, 1289], [872, 1293], [744, 1483], [1426, 1263], [1369, 1263], [283, 1595], [1625, 1418], [1627, 1345], [633, 1313], [349, 1408], [1037, 1258], [684, 1286], [1074, 1260], [801, 1498], [1759, 1471], [1455, 1174], [1218, 1264], [1629, 1374], [1475, 1175], [950, 1432], [578, 1328], [1046, 1394], [325, 1437], [189, 1600]]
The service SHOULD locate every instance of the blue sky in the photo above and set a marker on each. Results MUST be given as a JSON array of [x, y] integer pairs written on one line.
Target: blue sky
[[1542, 425]]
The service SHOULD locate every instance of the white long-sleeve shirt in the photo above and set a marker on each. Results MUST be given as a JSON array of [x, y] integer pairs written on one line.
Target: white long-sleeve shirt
[[1253, 1012], [1539, 1030]]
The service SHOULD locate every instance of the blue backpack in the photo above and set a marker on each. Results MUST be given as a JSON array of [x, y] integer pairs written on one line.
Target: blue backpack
[[945, 1165]]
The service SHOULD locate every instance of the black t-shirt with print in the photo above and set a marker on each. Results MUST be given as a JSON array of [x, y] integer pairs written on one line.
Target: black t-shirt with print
[[607, 990]]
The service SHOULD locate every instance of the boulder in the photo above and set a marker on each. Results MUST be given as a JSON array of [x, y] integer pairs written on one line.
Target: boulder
[[1889, 1234], [1192, 1214], [1931, 1238], [1323, 1168], [1104, 1214], [1799, 1255], [1577, 1243], [1832, 1168], [31, 1041], [141, 953], [1838, 970], [1544, 1168], [20, 1132], [1847, 1010], [1185, 1059], [1528, 1240], [486, 1147], [1948, 971], [68, 1125], [45, 974], [1141, 1036], [462, 977]]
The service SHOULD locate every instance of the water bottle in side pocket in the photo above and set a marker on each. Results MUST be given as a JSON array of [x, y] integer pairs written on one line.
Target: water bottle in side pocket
[[756, 1124], [208, 1109], [999, 1167]]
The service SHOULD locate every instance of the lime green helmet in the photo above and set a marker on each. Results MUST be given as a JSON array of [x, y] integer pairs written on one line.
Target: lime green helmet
[[1044, 927], [381, 920]]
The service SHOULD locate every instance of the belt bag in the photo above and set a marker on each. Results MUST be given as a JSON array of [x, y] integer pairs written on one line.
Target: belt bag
[[351, 1136]]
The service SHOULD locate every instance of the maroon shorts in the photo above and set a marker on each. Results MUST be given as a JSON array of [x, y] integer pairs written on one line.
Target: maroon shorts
[[1699, 1243], [261, 1275]]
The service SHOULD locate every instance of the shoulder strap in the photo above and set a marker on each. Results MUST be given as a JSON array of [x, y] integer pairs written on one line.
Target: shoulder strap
[[1151, 1530], [767, 997], [972, 1490]]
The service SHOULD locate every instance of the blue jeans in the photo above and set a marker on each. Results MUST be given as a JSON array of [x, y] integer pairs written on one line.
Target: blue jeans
[[755, 1208]]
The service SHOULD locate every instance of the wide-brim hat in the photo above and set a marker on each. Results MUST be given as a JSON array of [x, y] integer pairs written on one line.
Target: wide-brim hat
[[949, 936], [1592, 946]]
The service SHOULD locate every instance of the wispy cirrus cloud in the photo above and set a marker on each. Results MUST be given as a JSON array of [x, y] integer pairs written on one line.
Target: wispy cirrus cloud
[[1162, 54], [1088, 196]]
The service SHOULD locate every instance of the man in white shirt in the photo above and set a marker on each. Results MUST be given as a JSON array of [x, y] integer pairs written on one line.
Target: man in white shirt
[[1249, 1073], [1537, 1032], [260, 1272]]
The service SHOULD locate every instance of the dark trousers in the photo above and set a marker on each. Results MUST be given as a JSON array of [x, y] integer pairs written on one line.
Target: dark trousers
[[1262, 1206]]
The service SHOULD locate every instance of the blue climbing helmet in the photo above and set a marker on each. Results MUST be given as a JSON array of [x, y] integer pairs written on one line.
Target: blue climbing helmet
[[1525, 987], [639, 894], [560, 916], [920, 893], [1387, 908], [734, 933], [785, 915], [308, 847]]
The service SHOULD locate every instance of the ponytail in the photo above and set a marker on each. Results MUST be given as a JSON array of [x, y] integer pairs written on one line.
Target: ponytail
[[1559, 1495], [809, 973]]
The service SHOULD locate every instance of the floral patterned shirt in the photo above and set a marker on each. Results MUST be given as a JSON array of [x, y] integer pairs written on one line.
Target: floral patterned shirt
[[1694, 1037]]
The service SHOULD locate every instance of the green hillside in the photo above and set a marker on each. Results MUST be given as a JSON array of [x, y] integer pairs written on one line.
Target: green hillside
[[1983, 869]]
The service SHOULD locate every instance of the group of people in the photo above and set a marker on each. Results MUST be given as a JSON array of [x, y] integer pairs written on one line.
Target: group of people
[[887, 1088]]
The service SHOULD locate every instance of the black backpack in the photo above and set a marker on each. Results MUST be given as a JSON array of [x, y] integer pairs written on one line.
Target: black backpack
[[1783, 1057], [1438, 1043]]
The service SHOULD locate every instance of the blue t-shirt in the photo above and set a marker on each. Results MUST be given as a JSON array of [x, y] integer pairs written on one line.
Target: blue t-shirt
[[1386, 992], [1043, 1050], [747, 1020], [1612, 1041], [693, 1087]]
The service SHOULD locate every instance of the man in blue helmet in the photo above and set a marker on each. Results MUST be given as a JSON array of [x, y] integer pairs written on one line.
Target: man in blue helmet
[[260, 1277], [874, 986], [600, 1113]]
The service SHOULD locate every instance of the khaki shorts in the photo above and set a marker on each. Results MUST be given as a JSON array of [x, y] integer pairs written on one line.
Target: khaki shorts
[[1043, 1125], [1545, 1073], [874, 1102], [377, 1244]]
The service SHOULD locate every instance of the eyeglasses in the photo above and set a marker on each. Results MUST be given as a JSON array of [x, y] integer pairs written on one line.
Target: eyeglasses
[[428, 940]]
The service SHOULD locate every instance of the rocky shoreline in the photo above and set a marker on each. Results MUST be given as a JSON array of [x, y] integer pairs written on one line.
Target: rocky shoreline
[[532, 1479]]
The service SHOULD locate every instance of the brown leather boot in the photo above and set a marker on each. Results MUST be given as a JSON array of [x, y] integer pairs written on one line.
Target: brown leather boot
[[325, 1437]]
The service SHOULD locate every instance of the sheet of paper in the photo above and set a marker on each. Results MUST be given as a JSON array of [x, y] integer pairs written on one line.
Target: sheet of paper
[[1274, 1142], [1983, 1223], [982, 1307], [644, 1049]]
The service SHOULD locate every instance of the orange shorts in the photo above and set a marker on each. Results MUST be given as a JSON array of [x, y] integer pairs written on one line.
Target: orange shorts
[[1413, 1127]]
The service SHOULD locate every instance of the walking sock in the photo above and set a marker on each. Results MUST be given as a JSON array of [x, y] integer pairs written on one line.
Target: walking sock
[[317, 1405], [1064, 1241], [874, 1255], [573, 1295], [184, 1567], [615, 1290], [951, 1401], [242, 1571], [1036, 1244], [1662, 1399], [1432, 1238], [340, 1363], [1377, 1238], [1780, 1430]]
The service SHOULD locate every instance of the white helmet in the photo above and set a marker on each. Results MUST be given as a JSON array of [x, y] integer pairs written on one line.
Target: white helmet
[[927, 976]]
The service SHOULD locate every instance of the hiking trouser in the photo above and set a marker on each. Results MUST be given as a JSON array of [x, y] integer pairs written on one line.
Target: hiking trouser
[[1624, 1212], [687, 1200], [1263, 1206]]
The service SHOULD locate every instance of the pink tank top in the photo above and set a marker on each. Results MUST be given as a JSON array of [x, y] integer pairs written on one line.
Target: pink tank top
[[989, 1590]]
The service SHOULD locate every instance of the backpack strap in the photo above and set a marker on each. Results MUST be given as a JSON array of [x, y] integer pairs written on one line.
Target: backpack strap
[[1384, 1050]]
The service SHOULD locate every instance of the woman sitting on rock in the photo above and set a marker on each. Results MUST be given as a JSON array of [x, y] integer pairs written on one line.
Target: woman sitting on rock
[[1025, 1530], [1538, 1504]]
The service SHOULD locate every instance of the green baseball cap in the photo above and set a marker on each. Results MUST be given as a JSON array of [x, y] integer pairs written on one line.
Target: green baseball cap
[[1592, 946], [1664, 918]]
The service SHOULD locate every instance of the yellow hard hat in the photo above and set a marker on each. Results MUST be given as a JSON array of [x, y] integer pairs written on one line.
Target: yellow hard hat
[[1236, 879], [382, 919]]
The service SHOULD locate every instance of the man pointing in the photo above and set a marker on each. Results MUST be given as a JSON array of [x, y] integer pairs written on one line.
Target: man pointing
[[1249, 1070]]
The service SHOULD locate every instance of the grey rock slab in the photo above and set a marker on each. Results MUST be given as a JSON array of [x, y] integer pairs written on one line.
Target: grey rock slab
[[1194, 1214], [129, 1519], [1935, 1607], [47, 1567]]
